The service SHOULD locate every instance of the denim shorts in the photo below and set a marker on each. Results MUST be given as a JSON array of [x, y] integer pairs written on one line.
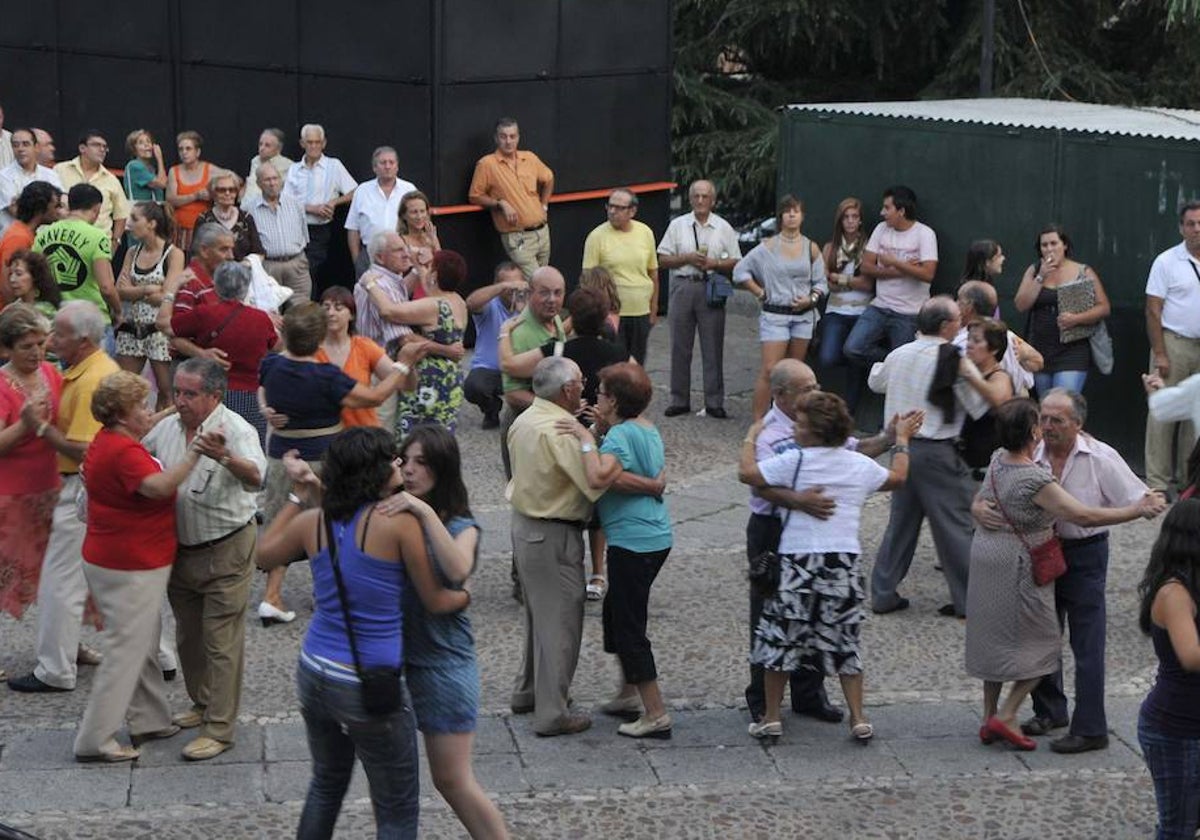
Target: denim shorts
[[774, 327]]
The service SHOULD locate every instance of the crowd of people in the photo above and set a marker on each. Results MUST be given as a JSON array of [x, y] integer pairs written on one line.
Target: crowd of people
[[198, 397]]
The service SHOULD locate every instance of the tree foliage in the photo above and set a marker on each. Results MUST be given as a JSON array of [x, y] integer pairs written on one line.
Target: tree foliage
[[738, 61]]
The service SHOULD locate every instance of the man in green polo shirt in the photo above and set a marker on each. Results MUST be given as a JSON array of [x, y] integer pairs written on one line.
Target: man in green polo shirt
[[80, 254]]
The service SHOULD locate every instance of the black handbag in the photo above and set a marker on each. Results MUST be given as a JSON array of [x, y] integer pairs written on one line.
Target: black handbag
[[381, 688], [764, 569]]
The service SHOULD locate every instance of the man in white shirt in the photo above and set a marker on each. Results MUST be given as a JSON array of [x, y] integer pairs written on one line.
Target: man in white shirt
[[22, 172], [1173, 326], [375, 206], [321, 184], [696, 245], [270, 150], [939, 485], [214, 565], [902, 257]]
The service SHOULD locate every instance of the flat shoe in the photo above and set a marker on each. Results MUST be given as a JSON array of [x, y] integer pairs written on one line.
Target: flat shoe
[[644, 727], [901, 604], [762, 729], [624, 707], [1072, 744], [596, 587], [1041, 725], [158, 735], [204, 748], [676, 410], [88, 656], [188, 720], [569, 724], [996, 726], [270, 614], [110, 756], [862, 732], [32, 685], [823, 711]]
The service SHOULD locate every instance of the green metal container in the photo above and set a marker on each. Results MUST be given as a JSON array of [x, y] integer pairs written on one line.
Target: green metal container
[[1113, 177]]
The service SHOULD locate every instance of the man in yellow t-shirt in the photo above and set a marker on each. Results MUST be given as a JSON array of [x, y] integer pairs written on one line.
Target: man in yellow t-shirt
[[626, 247]]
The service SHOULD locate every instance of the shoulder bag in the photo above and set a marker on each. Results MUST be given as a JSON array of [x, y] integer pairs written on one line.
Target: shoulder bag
[[764, 569], [380, 686], [1047, 560]]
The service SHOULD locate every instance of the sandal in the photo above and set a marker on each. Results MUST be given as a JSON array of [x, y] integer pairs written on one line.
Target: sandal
[[596, 591], [862, 732]]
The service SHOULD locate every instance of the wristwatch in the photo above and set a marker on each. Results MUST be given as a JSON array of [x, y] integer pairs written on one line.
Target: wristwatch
[[587, 447], [224, 460], [294, 499]]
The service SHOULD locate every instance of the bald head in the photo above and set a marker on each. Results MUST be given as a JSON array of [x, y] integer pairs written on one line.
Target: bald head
[[976, 300], [791, 383], [547, 289]]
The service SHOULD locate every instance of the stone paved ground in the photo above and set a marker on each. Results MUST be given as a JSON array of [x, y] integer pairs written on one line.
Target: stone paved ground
[[925, 775]]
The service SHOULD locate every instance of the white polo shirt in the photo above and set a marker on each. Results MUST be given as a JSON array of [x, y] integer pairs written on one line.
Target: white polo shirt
[[371, 211], [13, 179], [1175, 277], [322, 182]]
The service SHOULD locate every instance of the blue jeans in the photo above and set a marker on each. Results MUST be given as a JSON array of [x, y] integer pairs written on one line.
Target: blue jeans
[[1174, 765], [338, 729], [1072, 380], [863, 344], [835, 329]]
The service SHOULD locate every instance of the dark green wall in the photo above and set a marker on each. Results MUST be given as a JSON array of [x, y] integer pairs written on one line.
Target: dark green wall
[[1116, 197]]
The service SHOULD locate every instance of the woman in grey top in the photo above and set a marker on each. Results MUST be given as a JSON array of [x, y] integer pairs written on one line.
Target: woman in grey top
[[787, 275]]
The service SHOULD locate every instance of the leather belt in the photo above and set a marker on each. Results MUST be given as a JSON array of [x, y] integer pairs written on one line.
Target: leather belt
[[285, 259], [776, 309], [534, 228], [211, 543], [574, 523], [1082, 541]]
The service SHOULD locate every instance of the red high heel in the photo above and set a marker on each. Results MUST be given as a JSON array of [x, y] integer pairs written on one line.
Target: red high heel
[[996, 727], [985, 735]]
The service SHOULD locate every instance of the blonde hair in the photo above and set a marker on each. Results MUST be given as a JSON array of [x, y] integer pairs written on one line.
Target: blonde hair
[[117, 395], [598, 278], [132, 138]]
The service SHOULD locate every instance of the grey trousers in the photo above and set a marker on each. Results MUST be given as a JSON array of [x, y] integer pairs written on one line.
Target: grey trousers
[[294, 274], [687, 314], [549, 557], [129, 683], [939, 486]]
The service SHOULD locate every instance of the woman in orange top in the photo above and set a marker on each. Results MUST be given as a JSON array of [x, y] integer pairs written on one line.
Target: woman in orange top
[[359, 356], [187, 187]]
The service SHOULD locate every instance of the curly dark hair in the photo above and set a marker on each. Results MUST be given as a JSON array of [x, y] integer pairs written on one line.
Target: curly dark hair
[[439, 448], [451, 270], [44, 285], [1174, 557], [828, 418], [357, 467], [1015, 422], [629, 387], [589, 311]]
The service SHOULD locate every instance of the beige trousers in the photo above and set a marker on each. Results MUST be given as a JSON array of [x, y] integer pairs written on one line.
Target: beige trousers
[[1169, 444]]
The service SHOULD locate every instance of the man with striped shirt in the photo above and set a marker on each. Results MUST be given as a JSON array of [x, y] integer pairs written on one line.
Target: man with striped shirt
[[284, 233], [214, 515]]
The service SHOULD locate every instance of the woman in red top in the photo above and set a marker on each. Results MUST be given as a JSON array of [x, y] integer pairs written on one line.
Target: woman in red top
[[28, 473], [128, 552], [244, 334], [187, 187]]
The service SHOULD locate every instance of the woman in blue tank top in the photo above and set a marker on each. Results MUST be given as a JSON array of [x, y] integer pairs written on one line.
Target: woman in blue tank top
[[439, 650], [379, 558], [1169, 721]]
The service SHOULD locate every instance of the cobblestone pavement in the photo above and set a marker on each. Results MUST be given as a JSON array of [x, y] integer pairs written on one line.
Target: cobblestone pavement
[[925, 775]]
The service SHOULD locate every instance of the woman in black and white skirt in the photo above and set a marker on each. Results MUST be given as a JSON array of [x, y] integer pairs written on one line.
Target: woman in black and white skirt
[[814, 619]]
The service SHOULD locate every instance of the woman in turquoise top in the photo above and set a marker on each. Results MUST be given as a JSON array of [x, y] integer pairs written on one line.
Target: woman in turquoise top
[[638, 529], [439, 650]]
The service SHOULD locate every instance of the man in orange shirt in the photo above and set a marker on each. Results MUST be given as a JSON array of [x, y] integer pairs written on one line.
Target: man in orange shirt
[[39, 204], [516, 186]]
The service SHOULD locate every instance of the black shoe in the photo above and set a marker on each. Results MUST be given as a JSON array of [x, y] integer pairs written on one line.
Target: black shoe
[[491, 421], [517, 594], [948, 611], [169, 675], [718, 413], [676, 410], [822, 710], [1071, 744], [1042, 725], [901, 604], [32, 685]]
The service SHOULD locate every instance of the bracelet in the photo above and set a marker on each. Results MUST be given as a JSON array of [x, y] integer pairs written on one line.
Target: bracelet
[[900, 449], [587, 447], [169, 297], [294, 499], [404, 369]]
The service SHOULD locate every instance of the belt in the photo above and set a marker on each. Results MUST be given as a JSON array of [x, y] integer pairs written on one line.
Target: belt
[[285, 259], [932, 440], [574, 523], [1180, 336], [68, 475], [1082, 541], [534, 228], [211, 543], [300, 434], [776, 309]]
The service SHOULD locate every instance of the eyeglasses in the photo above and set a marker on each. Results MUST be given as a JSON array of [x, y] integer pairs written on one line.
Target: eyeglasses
[[224, 189]]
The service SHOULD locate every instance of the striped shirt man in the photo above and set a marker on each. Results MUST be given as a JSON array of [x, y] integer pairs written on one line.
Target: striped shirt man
[[281, 226]]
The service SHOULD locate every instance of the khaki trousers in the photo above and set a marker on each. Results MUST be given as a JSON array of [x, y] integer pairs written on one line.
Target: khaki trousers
[[292, 273], [1169, 444], [62, 592], [209, 590], [529, 249], [129, 684], [549, 558]]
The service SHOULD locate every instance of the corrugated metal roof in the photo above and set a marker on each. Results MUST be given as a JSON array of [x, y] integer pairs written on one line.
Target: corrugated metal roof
[[1171, 123]]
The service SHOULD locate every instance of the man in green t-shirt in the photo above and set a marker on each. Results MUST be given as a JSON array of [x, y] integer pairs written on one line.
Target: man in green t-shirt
[[80, 254]]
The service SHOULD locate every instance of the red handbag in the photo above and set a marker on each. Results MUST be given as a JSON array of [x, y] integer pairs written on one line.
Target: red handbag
[[1047, 560]]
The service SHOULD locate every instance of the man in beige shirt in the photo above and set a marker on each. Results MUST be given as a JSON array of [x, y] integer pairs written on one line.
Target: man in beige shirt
[[88, 168]]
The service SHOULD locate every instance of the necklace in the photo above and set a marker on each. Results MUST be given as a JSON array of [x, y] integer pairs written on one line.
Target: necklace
[[25, 387], [787, 238]]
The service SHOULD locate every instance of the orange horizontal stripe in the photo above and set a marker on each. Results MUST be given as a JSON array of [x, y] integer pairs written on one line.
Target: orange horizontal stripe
[[560, 198]]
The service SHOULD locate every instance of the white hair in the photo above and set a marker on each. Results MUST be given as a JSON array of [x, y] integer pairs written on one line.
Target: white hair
[[379, 242], [551, 374], [85, 320], [312, 128]]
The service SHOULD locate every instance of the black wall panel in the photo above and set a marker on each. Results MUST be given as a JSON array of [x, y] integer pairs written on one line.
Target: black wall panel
[[360, 115], [89, 86], [129, 28], [230, 108], [392, 46], [613, 130], [245, 33], [467, 128], [484, 39], [27, 25], [34, 102], [614, 35]]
